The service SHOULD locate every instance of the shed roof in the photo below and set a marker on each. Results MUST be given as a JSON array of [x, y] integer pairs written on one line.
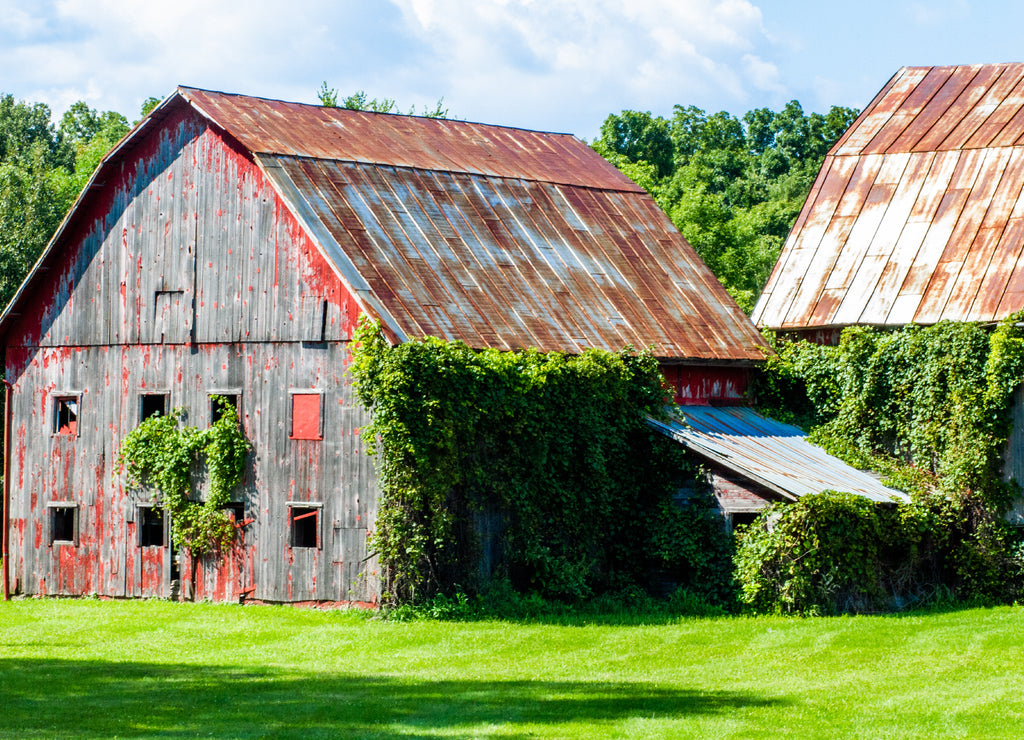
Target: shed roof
[[775, 455], [916, 214], [495, 236]]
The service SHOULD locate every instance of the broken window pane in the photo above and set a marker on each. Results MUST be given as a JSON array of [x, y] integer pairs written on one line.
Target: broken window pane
[[305, 526], [152, 404], [66, 415], [63, 520], [151, 526]]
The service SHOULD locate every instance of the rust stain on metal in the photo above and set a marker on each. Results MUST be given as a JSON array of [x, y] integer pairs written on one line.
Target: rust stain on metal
[[932, 173]]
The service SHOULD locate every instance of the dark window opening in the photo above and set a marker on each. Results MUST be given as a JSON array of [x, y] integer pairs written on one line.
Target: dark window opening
[[744, 517], [62, 525], [223, 403], [66, 415], [305, 526], [152, 404], [235, 510], [151, 526], [306, 416]]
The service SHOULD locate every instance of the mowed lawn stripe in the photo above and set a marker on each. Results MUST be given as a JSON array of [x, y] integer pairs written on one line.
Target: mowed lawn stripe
[[90, 668]]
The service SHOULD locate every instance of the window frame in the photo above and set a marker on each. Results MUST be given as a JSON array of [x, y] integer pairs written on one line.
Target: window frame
[[51, 511], [292, 393], [317, 510], [227, 393], [140, 509], [142, 394], [56, 400]]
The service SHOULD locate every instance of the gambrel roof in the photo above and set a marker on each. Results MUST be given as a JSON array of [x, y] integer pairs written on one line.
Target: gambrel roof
[[495, 236], [916, 215]]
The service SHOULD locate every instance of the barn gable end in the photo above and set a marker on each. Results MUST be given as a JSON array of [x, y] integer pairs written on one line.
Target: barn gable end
[[184, 275]]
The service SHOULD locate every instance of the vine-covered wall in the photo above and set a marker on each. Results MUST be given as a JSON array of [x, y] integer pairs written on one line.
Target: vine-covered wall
[[930, 407], [535, 467]]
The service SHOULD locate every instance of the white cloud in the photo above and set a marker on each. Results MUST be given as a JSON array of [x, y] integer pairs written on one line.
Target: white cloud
[[611, 54], [557, 64]]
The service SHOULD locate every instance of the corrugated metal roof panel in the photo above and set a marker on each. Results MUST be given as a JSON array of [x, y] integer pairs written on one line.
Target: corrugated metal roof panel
[[513, 263], [771, 453], [277, 127], [939, 172]]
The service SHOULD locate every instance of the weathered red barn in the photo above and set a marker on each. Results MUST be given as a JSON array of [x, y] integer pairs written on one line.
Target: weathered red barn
[[227, 246]]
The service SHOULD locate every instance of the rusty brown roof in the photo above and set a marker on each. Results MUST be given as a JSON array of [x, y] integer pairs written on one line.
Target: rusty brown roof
[[495, 236], [278, 127], [916, 215]]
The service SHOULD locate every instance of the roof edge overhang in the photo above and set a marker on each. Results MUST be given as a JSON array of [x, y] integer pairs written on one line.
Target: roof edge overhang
[[341, 264], [713, 362]]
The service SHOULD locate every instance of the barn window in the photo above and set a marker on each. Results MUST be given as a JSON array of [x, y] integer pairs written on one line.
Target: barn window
[[304, 524], [235, 510], [65, 415], [152, 404], [232, 402], [63, 522], [152, 526], [306, 417]]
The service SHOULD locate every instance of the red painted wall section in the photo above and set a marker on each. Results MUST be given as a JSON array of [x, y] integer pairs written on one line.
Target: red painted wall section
[[707, 385]]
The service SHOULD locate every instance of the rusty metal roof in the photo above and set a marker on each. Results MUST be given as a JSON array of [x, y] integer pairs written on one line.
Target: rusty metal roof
[[917, 214], [775, 455], [277, 127], [494, 236]]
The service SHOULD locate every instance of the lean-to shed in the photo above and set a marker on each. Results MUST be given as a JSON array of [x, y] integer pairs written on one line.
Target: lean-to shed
[[227, 246]]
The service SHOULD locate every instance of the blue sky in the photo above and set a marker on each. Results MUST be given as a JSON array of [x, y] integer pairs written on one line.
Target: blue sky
[[555, 65]]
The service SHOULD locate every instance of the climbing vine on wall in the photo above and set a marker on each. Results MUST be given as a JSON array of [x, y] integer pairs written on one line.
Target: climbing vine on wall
[[550, 453], [935, 397], [166, 455], [931, 408]]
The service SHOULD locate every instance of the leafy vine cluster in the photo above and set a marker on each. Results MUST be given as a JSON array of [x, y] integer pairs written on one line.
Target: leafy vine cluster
[[164, 454], [930, 407], [536, 468]]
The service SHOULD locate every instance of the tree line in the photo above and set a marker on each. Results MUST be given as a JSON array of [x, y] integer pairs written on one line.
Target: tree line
[[732, 185]]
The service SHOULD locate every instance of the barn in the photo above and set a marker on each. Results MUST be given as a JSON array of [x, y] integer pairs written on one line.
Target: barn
[[226, 248], [917, 214]]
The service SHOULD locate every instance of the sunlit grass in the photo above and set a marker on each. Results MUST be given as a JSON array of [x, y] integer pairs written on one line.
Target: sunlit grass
[[88, 668]]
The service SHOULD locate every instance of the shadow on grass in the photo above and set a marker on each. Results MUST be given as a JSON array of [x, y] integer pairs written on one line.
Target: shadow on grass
[[55, 698]]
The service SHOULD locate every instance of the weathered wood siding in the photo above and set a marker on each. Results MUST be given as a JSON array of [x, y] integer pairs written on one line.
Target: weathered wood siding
[[188, 276]]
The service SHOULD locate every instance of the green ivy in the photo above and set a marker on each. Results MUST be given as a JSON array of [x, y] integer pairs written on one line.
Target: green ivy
[[165, 455], [543, 462], [929, 407], [937, 398], [837, 552]]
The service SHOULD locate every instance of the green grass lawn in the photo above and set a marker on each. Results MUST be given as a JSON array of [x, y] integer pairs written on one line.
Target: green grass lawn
[[89, 668]]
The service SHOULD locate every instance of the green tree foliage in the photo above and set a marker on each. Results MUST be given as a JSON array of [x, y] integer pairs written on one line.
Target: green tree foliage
[[42, 169], [544, 461], [733, 186], [359, 100]]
